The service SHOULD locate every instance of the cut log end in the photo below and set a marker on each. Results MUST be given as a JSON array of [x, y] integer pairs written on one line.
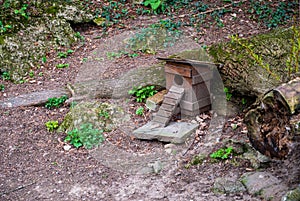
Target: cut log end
[[273, 126]]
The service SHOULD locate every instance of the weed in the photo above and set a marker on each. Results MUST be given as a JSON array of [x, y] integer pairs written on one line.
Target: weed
[[2, 87], [73, 138], [44, 59], [4, 28], [41, 74], [86, 136], [51, 125], [65, 54], [6, 76], [223, 153], [227, 93], [62, 54], [22, 11], [244, 101], [31, 74], [55, 102], [62, 65], [140, 111], [272, 17], [104, 114], [79, 36], [84, 59], [155, 4], [142, 93]]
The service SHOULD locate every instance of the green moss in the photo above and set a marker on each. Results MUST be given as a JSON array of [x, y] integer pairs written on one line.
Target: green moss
[[52, 10], [2, 41]]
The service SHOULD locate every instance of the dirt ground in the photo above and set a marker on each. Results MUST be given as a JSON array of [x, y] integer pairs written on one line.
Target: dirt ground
[[35, 166]]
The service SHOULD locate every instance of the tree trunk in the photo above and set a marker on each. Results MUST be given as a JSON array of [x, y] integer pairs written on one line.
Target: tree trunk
[[273, 126], [240, 71], [117, 88]]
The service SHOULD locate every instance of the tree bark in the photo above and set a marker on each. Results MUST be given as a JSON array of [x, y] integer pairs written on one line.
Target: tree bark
[[273, 126], [239, 70], [117, 88]]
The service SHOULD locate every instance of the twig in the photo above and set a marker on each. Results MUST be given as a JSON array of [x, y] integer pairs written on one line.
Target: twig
[[193, 142], [17, 189]]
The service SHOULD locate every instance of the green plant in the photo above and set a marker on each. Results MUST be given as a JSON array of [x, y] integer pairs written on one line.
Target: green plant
[[104, 114], [73, 138], [140, 111], [4, 28], [22, 11], [31, 74], [155, 4], [223, 153], [51, 125], [6, 76], [62, 54], [44, 59], [142, 93], [86, 136], [79, 36], [2, 87], [65, 54], [272, 16], [62, 65], [244, 101], [227, 93], [55, 102]]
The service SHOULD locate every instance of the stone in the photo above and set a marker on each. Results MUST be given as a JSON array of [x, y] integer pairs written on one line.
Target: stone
[[228, 185], [264, 185], [33, 99], [175, 132]]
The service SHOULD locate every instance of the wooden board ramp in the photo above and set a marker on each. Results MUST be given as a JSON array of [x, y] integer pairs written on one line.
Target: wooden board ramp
[[169, 105]]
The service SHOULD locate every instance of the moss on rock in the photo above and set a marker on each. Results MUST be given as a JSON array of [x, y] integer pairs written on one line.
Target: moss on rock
[[101, 115]]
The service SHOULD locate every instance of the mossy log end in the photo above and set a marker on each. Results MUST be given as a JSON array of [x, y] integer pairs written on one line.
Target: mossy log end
[[273, 126], [242, 74]]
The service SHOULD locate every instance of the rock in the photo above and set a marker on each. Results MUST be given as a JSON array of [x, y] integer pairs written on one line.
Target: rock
[[24, 46], [293, 195], [101, 115], [67, 147], [228, 185], [264, 185], [256, 159], [157, 167], [32, 99]]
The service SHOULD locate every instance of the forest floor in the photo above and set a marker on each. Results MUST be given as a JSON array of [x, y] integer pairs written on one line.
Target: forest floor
[[35, 165]]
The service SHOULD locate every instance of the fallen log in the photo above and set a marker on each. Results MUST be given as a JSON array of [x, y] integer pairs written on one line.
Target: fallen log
[[273, 125], [243, 74]]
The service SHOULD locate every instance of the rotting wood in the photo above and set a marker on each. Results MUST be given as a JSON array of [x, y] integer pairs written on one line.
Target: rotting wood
[[272, 128]]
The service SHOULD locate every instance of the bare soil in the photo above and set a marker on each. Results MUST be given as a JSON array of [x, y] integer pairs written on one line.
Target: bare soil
[[35, 166]]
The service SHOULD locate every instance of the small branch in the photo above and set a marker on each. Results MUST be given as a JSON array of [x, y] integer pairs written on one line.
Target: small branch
[[17, 189]]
